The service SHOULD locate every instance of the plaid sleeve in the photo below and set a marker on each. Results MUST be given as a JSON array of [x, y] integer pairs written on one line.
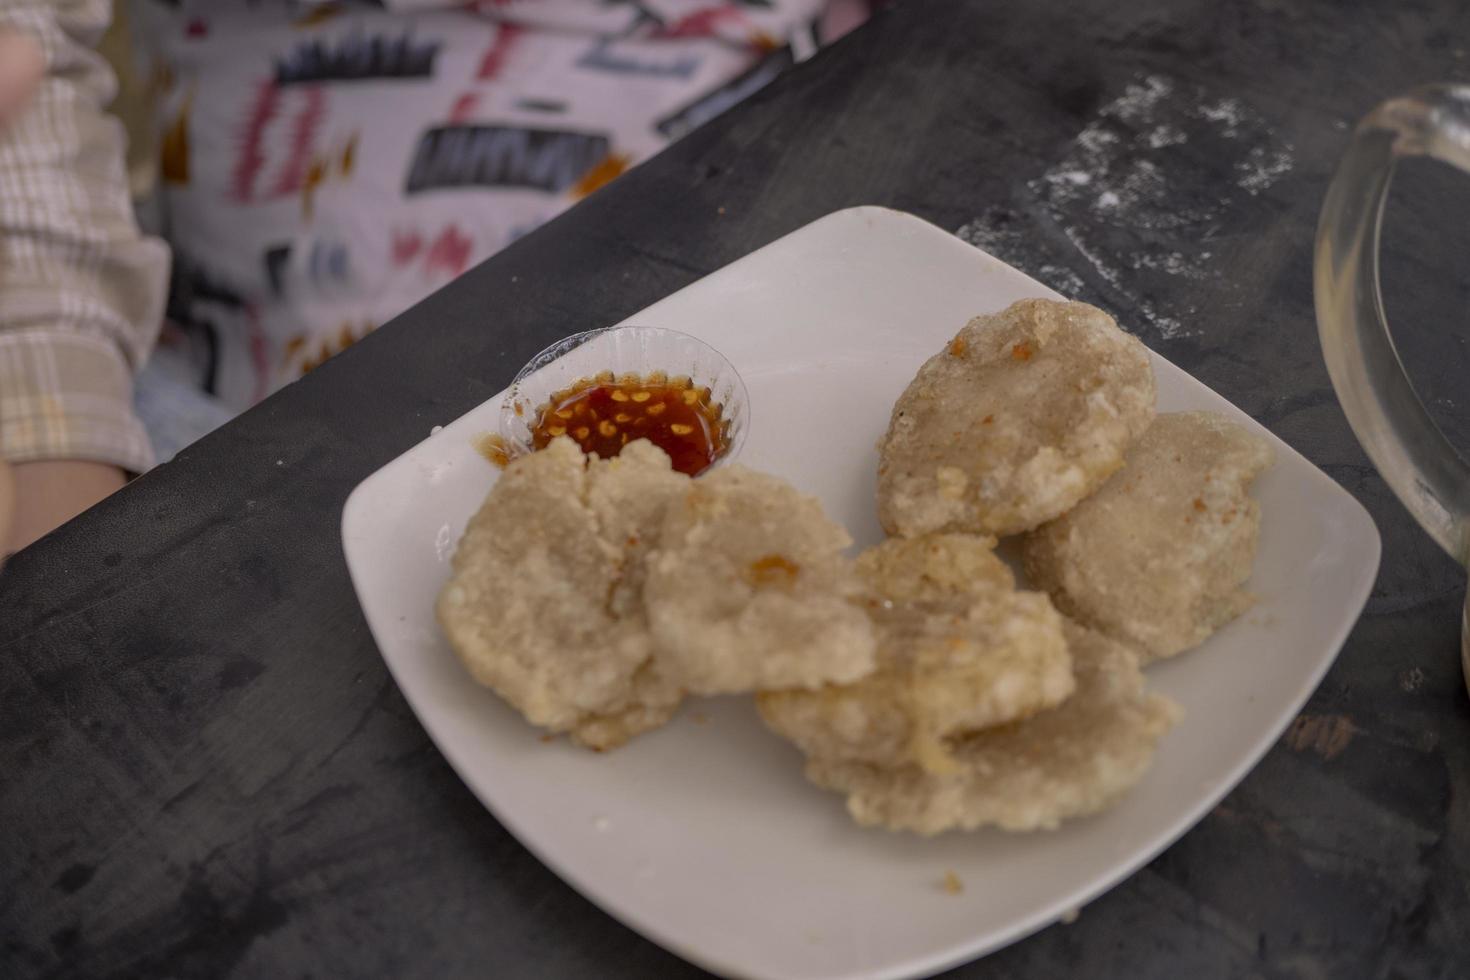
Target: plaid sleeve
[[81, 290]]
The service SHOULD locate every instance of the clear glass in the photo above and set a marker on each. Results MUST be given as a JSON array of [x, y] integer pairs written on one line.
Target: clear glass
[[1411, 453], [624, 350]]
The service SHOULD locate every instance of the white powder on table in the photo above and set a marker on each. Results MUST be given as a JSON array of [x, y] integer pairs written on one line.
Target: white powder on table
[[1139, 190]]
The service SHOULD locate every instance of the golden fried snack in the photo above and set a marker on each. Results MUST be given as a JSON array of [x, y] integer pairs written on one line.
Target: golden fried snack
[[1068, 761], [543, 605], [1158, 556], [959, 649], [629, 494], [1022, 415], [749, 589]]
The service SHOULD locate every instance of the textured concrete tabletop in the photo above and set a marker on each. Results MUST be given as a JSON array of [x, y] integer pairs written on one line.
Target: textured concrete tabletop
[[206, 771]]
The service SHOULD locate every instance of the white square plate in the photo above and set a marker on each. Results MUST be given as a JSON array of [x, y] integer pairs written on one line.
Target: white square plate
[[704, 836]]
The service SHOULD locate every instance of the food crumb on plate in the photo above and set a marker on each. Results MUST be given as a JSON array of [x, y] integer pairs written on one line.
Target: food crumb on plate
[[952, 884]]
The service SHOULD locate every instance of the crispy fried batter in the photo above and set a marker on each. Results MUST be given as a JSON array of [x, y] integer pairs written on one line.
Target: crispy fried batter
[[959, 650], [1071, 760], [1022, 415], [1158, 556], [749, 589], [544, 603]]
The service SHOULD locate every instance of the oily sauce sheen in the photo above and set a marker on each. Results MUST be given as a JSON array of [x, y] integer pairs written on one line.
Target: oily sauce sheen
[[604, 414]]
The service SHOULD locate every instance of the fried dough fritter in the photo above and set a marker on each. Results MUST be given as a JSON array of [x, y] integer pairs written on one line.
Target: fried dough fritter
[[1158, 556], [1068, 761], [749, 589], [959, 649], [1022, 415], [544, 606]]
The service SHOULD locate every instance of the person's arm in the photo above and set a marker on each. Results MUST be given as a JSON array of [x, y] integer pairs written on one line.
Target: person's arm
[[81, 290]]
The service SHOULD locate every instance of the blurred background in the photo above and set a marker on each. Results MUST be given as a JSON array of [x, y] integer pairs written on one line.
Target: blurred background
[[316, 168]]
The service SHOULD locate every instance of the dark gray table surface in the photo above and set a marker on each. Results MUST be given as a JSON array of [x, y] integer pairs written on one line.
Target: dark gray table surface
[[205, 769]]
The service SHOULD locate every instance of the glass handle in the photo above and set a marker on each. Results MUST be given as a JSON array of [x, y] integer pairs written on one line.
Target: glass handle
[[1411, 453]]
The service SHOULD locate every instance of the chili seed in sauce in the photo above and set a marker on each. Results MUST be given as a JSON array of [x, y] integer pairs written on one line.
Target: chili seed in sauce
[[603, 414]]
